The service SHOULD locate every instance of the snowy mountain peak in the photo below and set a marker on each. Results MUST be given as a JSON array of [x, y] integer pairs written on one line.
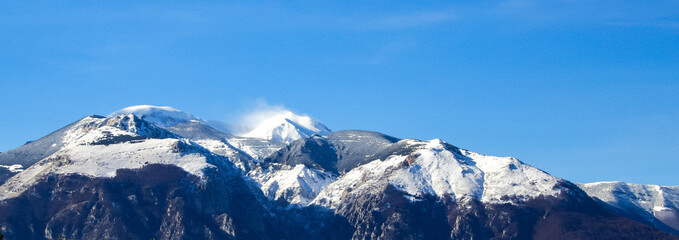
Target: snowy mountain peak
[[435, 168], [122, 127], [161, 116], [287, 127], [649, 201]]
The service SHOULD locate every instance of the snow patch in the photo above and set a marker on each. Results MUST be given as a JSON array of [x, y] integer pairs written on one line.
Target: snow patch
[[13, 168]]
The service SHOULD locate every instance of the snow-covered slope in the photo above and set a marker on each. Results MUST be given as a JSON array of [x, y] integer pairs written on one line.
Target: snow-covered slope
[[648, 201], [255, 147], [242, 151], [100, 147], [434, 168], [34, 151], [159, 116], [298, 185], [287, 127]]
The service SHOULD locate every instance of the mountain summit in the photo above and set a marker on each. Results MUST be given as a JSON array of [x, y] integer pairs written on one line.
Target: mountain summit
[[161, 116], [283, 126], [287, 127]]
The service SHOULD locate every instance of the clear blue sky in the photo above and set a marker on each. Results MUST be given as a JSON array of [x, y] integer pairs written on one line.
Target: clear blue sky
[[585, 90]]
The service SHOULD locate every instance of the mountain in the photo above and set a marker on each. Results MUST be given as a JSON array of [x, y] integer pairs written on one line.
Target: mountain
[[320, 159], [148, 172], [159, 116], [241, 150], [122, 177], [24, 156], [653, 204], [286, 127]]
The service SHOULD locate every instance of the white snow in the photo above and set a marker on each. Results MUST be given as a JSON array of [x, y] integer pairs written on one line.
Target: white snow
[[435, 170], [81, 128], [161, 116], [646, 197], [287, 127], [298, 185], [661, 208], [82, 155], [218, 147], [104, 160], [13, 168], [507, 176], [362, 178], [659, 201], [256, 148]]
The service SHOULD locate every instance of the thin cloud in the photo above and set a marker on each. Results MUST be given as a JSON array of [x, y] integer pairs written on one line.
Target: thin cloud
[[260, 112], [660, 14], [409, 20], [254, 114], [662, 24]]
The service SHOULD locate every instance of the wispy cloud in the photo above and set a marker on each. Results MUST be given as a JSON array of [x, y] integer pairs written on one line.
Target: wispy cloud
[[252, 114], [406, 20], [282, 17], [659, 14], [653, 23], [260, 112]]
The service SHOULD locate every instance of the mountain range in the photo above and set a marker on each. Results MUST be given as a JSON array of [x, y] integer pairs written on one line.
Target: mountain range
[[149, 172]]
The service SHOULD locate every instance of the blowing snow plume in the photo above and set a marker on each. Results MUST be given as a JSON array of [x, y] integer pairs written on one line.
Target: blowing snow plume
[[276, 123]]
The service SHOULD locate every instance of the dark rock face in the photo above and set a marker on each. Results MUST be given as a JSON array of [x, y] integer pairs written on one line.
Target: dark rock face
[[312, 152], [635, 213], [197, 130], [356, 147], [158, 202], [5, 174], [387, 214], [165, 202], [338, 152]]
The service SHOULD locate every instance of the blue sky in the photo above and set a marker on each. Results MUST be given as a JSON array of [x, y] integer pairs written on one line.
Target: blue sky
[[587, 91]]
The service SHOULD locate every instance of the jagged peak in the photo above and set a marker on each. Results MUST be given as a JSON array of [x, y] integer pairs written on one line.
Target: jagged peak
[[92, 130], [161, 116]]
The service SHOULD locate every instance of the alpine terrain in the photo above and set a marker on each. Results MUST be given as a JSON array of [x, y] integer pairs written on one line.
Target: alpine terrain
[[149, 172]]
